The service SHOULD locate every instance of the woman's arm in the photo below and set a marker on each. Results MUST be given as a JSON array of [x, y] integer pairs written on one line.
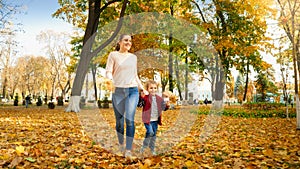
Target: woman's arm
[[109, 67], [140, 85]]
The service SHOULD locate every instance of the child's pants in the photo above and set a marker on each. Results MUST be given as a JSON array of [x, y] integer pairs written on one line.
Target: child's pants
[[150, 137]]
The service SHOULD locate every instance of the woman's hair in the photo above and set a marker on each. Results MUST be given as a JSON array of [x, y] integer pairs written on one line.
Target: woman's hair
[[150, 82], [117, 48]]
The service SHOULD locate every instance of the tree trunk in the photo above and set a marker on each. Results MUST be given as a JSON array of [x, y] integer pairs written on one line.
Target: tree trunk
[[94, 70], [4, 87], [178, 78], [171, 84], [164, 81], [296, 69], [87, 85], [171, 87], [53, 88], [79, 80], [219, 85], [219, 82], [86, 55], [186, 78], [297, 54], [247, 81]]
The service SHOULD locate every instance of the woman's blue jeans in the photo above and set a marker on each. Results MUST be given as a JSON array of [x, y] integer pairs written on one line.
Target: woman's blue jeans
[[124, 102]]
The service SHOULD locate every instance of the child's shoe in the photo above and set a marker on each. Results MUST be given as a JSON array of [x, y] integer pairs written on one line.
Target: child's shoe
[[142, 150], [153, 153]]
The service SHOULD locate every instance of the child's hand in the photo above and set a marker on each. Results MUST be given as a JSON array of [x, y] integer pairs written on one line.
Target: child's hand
[[145, 92]]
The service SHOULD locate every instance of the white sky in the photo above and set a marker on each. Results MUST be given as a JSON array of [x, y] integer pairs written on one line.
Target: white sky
[[37, 18]]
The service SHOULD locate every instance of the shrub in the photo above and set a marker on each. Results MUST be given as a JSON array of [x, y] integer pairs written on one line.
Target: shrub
[[51, 105], [251, 113], [60, 101], [99, 104], [105, 103], [39, 102], [16, 100]]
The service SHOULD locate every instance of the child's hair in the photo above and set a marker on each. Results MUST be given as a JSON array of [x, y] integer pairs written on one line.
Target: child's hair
[[150, 82]]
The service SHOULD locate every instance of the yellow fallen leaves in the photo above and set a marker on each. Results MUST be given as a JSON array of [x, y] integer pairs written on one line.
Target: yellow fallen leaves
[[43, 138], [146, 165], [268, 152], [20, 150]]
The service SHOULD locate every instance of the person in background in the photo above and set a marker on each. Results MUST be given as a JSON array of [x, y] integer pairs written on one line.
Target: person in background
[[153, 105], [121, 68], [27, 101]]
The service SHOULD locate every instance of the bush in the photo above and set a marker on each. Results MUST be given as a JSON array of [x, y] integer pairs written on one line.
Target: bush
[[99, 104], [60, 101], [247, 113], [262, 105], [39, 102], [51, 105], [16, 100], [105, 103]]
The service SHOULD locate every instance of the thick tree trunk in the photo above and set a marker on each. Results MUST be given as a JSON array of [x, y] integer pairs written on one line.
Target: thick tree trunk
[[178, 78], [79, 80], [86, 55], [218, 88], [73, 104], [218, 84]]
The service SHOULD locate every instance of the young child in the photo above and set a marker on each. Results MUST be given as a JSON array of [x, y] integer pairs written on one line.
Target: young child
[[153, 105]]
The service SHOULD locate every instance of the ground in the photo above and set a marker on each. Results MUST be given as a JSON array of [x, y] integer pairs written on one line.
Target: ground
[[38, 137]]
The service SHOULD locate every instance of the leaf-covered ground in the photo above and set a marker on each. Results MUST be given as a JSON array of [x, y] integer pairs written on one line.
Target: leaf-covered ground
[[39, 137]]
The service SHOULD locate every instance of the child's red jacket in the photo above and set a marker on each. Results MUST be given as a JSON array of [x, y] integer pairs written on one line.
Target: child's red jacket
[[147, 102]]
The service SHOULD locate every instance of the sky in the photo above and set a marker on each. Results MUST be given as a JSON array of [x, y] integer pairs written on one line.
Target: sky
[[36, 18]]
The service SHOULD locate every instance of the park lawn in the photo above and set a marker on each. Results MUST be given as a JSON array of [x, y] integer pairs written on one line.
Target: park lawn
[[39, 137]]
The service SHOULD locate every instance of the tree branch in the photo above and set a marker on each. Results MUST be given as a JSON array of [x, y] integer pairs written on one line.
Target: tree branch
[[108, 3], [118, 28]]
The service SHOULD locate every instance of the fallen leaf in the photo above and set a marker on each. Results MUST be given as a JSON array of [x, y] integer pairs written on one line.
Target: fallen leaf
[[15, 162], [148, 162], [30, 159], [189, 164], [20, 150], [268, 152]]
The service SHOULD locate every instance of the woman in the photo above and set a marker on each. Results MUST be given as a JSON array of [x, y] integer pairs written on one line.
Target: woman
[[121, 68]]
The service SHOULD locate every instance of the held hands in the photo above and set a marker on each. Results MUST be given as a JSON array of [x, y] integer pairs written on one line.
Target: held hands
[[145, 92]]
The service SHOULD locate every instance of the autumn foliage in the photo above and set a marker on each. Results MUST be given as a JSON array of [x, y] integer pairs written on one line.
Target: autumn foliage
[[44, 138]]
